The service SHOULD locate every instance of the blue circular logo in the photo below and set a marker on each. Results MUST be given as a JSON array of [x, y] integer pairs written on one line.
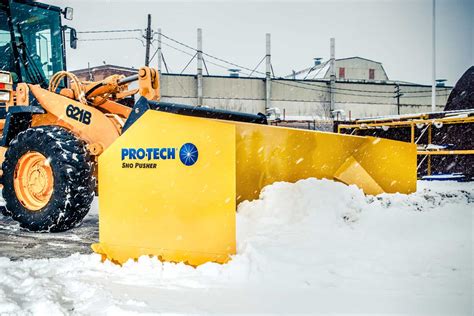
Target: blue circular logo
[[188, 154]]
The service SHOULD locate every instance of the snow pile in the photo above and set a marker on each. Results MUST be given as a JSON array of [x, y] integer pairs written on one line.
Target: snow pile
[[313, 246]]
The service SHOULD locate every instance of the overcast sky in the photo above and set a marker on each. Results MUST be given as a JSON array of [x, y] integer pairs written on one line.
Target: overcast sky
[[396, 33]]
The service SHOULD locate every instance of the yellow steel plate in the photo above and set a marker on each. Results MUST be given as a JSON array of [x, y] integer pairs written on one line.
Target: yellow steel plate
[[182, 212], [175, 211]]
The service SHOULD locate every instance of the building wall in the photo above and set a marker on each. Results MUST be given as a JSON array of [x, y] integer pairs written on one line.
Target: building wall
[[310, 98], [296, 98]]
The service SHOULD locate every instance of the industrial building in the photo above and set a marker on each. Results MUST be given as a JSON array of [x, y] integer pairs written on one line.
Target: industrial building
[[361, 89], [358, 68]]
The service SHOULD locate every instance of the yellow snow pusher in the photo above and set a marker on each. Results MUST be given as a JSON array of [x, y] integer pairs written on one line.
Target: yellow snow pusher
[[169, 186], [169, 176]]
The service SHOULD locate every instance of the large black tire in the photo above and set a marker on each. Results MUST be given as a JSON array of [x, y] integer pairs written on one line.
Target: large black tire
[[74, 182]]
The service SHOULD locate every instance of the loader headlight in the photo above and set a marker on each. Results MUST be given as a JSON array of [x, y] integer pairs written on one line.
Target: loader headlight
[[4, 96], [5, 78]]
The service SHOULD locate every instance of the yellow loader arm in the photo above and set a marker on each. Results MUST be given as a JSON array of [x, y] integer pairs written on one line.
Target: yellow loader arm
[[88, 109], [112, 88]]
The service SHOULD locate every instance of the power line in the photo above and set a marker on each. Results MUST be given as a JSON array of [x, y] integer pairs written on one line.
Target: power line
[[324, 89], [388, 93], [153, 56], [313, 86], [111, 39], [205, 65], [177, 49], [188, 63], [303, 82], [189, 54], [320, 66], [257, 66], [249, 99], [110, 31], [365, 91], [164, 62], [317, 73], [210, 56], [108, 39]]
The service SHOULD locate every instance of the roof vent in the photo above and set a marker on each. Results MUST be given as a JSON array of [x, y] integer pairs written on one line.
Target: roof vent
[[234, 73], [317, 61], [440, 82]]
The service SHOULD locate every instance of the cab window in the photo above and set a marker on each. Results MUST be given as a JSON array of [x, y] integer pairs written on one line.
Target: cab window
[[7, 61], [39, 40]]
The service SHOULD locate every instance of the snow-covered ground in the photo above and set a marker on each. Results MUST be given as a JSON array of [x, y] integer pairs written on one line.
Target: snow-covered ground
[[315, 246]]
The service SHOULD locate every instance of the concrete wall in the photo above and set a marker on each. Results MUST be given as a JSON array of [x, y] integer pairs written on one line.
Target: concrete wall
[[309, 98], [296, 98]]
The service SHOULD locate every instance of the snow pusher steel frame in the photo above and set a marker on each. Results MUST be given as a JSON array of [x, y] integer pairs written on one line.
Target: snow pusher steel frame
[[170, 184]]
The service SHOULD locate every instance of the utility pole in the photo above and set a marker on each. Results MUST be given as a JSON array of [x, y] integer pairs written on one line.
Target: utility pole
[[397, 96], [332, 68], [268, 70], [159, 55], [199, 67], [148, 41], [91, 76], [433, 87]]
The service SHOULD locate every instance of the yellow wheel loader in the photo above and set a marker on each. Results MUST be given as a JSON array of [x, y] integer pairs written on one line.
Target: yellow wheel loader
[[169, 176], [52, 134]]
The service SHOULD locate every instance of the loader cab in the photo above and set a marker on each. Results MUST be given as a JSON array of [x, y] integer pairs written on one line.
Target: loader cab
[[31, 40]]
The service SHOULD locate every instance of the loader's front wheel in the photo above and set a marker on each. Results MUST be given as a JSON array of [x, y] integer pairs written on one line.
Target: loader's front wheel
[[48, 179], [33, 180]]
